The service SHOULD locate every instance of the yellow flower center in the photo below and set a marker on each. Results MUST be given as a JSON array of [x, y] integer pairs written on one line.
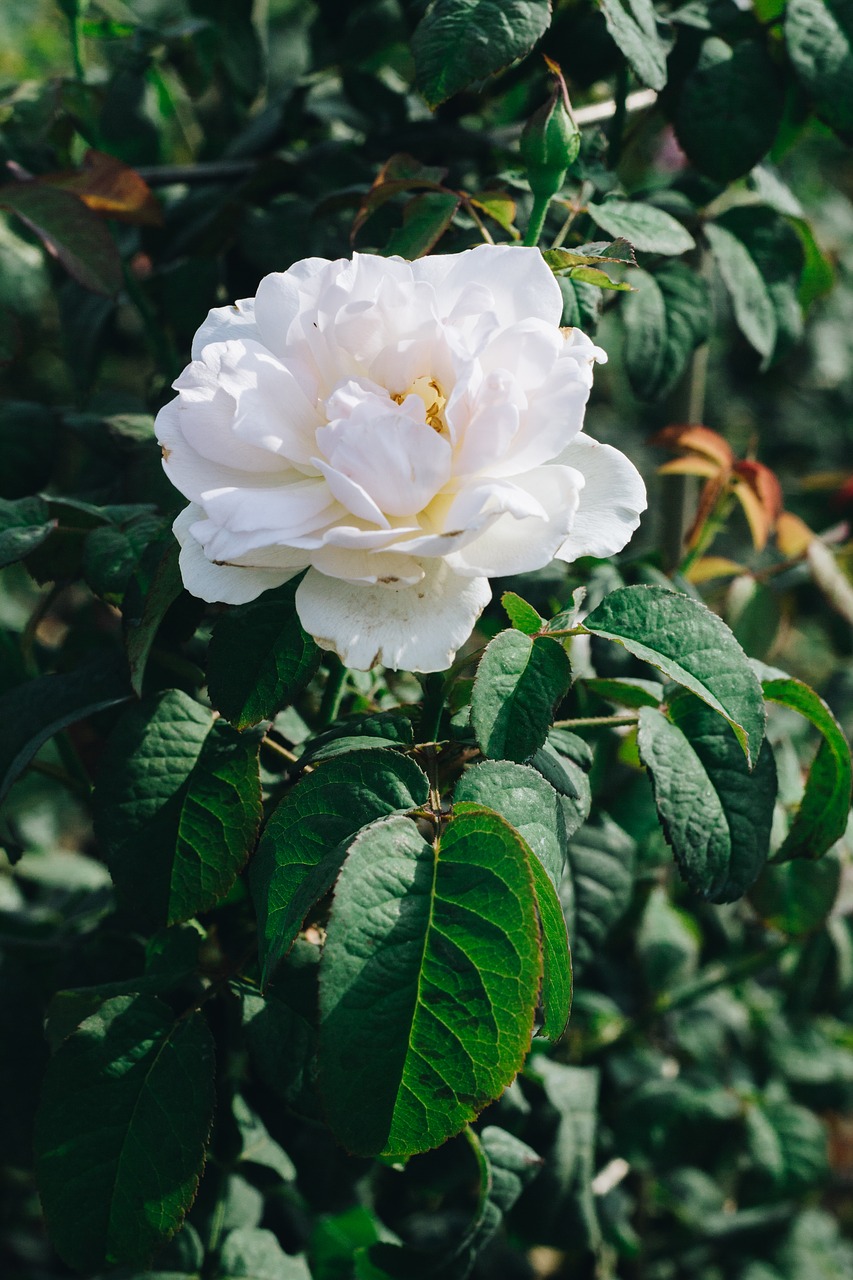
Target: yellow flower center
[[434, 401]]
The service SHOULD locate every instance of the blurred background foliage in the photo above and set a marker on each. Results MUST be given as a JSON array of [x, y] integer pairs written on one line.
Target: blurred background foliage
[[698, 1119]]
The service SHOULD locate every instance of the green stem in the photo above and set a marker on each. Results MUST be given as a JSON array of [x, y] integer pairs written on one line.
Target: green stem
[[76, 45], [594, 722], [433, 706], [333, 692], [537, 220]]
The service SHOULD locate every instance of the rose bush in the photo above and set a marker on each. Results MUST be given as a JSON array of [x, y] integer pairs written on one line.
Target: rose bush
[[402, 430]]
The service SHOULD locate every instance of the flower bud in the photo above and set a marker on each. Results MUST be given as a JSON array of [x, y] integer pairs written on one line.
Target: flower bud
[[551, 140]]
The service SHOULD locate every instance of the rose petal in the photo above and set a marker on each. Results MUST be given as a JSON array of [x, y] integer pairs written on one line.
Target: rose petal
[[612, 500], [214, 582], [417, 628]]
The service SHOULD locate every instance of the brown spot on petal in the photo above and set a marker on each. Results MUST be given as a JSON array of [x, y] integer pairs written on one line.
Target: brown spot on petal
[[387, 581], [167, 453], [422, 595]]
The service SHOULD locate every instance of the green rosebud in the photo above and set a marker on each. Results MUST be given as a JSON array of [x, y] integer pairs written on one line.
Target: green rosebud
[[551, 140]]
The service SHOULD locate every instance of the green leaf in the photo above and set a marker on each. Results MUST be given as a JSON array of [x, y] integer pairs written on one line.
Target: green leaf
[[458, 42], [564, 1187], [797, 897], [507, 1166], [521, 614], [69, 231], [690, 645], [425, 220], [253, 1253], [600, 279], [429, 981], [359, 733], [526, 801], [716, 815], [305, 840], [751, 301], [259, 658], [777, 251], [142, 625], [644, 226], [597, 254], [730, 108], [111, 554], [121, 1131], [596, 893], [633, 692], [33, 712], [665, 319], [24, 525], [788, 1145], [519, 684], [556, 993], [633, 26], [177, 807], [28, 434], [819, 39], [825, 808]]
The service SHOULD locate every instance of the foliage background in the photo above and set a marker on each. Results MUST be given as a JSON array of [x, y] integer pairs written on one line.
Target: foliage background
[[697, 1119]]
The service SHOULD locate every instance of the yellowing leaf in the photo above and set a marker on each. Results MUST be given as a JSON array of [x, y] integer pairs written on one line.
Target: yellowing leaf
[[710, 567]]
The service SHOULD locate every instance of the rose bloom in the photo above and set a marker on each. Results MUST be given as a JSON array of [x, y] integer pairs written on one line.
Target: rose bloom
[[401, 430]]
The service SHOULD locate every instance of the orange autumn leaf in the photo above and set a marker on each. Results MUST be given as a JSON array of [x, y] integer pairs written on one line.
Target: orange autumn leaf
[[111, 188], [793, 535], [692, 465], [701, 440]]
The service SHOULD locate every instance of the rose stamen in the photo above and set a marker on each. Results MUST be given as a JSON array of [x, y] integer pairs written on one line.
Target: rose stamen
[[434, 401]]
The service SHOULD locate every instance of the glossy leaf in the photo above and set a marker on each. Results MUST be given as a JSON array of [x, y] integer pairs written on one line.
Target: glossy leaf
[[122, 1127], [460, 41], [825, 807], [819, 40], [305, 840], [597, 890], [751, 301], [259, 658], [716, 815], [429, 981], [644, 226], [521, 614], [178, 805], [24, 525], [526, 801], [519, 684], [425, 220], [665, 319], [633, 26], [691, 646]]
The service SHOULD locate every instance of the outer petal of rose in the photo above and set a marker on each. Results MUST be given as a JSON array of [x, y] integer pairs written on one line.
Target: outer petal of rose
[[190, 471], [225, 583], [292, 507], [415, 628], [223, 323], [612, 500], [520, 282], [279, 300], [514, 545]]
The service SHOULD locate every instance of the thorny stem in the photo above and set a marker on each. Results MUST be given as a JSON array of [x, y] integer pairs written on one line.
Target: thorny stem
[[594, 722]]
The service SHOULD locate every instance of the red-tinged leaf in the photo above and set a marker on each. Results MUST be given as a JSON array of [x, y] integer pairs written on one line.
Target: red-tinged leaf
[[708, 499], [699, 439], [399, 174], [765, 485], [793, 535], [70, 232], [109, 187], [758, 517], [425, 220], [691, 465]]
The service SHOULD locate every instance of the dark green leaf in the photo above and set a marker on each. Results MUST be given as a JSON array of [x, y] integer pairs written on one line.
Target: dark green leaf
[[28, 447], [519, 684], [253, 1253], [751, 301], [597, 890], [304, 842], [819, 39], [633, 692], [796, 897], [692, 646], [521, 614], [506, 1167], [823, 813], [359, 733], [644, 226], [69, 231], [730, 108], [788, 1145], [633, 26], [777, 251], [24, 525], [259, 658], [32, 713], [526, 801], [460, 41], [556, 993], [429, 981], [178, 805], [425, 220], [665, 320], [141, 627], [716, 815], [121, 1132]]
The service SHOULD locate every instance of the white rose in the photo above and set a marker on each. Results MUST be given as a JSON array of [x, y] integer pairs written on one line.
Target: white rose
[[402, 430]]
